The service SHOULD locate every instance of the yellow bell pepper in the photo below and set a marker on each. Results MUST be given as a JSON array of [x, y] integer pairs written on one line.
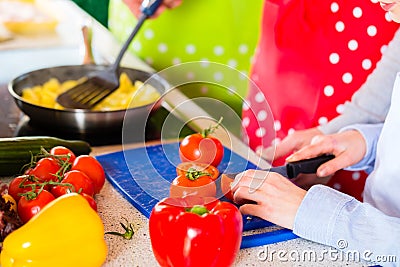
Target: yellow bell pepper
[[67, 232]]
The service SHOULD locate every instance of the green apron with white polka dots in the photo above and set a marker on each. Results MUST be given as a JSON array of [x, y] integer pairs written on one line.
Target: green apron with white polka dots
[[221, 31]]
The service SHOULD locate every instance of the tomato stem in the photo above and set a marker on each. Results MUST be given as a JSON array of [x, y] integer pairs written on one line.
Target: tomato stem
[[193, 174], [128, 230], [211, 129]]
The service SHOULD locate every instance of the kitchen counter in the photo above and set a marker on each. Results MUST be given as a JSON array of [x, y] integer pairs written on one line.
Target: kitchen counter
[[113, 207]]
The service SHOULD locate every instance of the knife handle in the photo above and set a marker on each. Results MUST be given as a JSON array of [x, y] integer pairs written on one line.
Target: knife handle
[[306, 165]]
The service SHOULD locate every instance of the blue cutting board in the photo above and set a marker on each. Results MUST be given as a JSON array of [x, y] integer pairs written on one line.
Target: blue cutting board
[[143, 176]]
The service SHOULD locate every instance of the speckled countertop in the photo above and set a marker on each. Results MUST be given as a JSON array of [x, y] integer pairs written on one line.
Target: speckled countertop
[[112, 208]]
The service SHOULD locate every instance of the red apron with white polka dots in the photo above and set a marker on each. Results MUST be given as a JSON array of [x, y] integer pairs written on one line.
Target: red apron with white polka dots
[[311, 57]]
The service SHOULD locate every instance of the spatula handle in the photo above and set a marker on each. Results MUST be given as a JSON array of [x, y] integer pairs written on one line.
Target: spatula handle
[[149, 7]]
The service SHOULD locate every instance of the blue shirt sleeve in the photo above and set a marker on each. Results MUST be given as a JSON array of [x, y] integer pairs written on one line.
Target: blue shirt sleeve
[[330, 217], [371, 133]]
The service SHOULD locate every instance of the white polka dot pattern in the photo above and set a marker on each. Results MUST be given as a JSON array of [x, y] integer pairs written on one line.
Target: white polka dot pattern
[[328, 90], [339, 26], [334, 7], [245, 122], [149, 34], [355, 176], [260, 132], [218, 76], [190, 49], [277, 125], [347, 78], [322, 120], [162, 48], [353, 45], [366, 64], [262, 115], [340, 108], [357, 12], [371, 30], [243, 49], [334, 58], [259, 98], [218, 50]]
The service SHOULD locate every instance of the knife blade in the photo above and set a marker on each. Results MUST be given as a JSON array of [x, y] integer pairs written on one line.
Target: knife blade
[[293, 169]]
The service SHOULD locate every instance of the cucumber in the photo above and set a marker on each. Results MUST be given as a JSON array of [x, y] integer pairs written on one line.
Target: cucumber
[[15, 152]]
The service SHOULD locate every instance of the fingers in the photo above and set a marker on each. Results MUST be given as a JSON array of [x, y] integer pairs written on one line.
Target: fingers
[[134, 6], [172, 3], [276, 199], [290, 143], [319, 145], [348, 147]]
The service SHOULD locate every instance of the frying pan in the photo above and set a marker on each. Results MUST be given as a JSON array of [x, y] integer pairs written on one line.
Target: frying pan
[[82, 121]]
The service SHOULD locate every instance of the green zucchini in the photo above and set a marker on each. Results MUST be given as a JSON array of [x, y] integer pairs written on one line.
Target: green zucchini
[[15, 152]]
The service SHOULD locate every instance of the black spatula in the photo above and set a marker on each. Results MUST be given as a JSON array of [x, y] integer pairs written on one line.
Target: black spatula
[[100, 84]]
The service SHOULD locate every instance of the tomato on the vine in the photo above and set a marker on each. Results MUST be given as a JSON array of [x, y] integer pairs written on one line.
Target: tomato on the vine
[[63, 151], [201, 147], [90, 200], [92, 168], [45, 169], [28, 207], [21, 184], [79, 181]]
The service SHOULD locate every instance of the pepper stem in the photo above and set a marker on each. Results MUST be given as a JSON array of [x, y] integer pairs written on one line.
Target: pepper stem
[[198, 209]]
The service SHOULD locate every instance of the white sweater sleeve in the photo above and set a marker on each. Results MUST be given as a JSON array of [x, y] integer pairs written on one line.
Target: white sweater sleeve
[[371, 102]]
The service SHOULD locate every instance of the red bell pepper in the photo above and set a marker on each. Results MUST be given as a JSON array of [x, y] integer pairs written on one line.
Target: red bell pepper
[[195, 231]]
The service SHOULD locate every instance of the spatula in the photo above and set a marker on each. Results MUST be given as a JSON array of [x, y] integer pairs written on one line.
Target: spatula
[[100, 84]]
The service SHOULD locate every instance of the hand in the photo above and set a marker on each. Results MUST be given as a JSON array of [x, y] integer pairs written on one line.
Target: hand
[[276, 198], [134, 6], [290, 143], [349, 147]]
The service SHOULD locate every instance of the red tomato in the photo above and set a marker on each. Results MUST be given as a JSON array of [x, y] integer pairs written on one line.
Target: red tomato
[[80, 182], [63, 151], [27, 208], [45, 169], [203, 186], [184, 167], [92, 168], [196, 147], [90, 200], [17, 186]]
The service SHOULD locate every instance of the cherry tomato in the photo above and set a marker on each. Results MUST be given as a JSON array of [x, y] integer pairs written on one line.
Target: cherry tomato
[[91, 201], [184, 167], [80, 182], [18, 185], [27, 208], [92, 168], [63, 151], [196, 147], [202, 186], [45, 169]]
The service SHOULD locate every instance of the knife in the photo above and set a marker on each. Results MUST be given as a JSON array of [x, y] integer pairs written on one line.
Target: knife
[[293, 169]]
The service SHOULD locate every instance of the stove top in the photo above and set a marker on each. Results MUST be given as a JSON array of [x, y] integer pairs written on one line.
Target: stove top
[[26, 127]]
